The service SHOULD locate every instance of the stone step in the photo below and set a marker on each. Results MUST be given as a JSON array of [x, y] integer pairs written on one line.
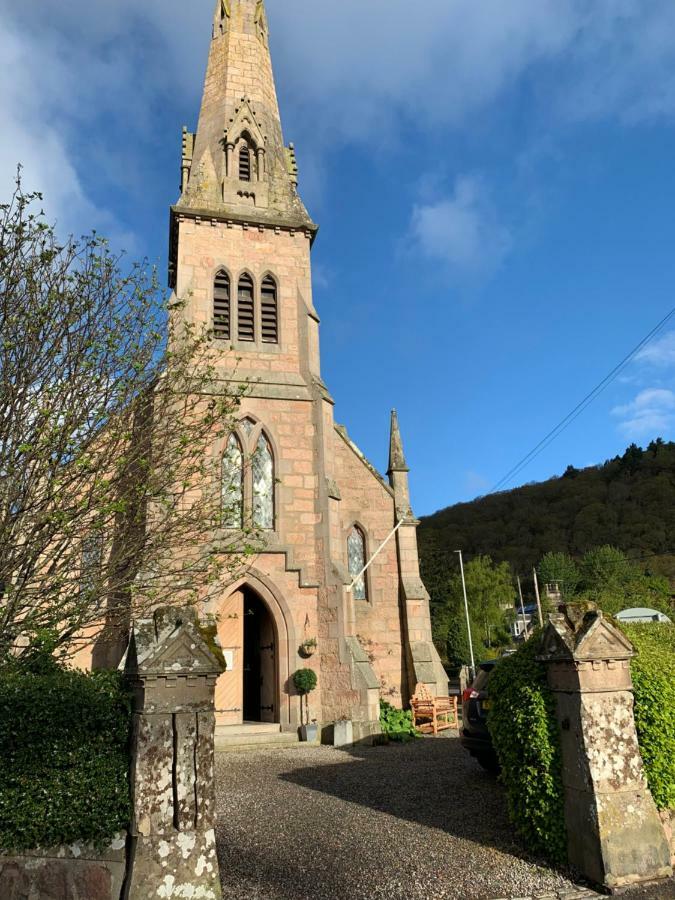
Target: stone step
[[249, 728], [254, 741]]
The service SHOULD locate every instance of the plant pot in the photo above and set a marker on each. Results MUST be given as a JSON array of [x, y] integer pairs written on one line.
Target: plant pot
[[309, 733], [343, 733], [307, 651]]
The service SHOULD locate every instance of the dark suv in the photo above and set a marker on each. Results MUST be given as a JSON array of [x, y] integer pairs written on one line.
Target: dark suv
[[474, 734]]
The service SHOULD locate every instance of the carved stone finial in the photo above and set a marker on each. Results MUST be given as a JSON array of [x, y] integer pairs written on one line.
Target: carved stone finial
[[580, 632]]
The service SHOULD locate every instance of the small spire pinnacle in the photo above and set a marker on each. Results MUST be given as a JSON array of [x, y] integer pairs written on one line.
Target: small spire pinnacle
[[397, 461]]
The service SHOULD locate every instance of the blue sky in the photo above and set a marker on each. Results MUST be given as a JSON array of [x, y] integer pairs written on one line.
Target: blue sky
[[493, 183]]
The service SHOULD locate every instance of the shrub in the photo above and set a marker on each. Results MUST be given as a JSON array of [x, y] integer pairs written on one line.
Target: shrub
[[653, 671], [525, 734], [305, 681], [397, 724], [64, 757]]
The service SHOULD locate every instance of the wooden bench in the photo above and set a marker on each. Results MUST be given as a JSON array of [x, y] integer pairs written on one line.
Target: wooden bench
[[433, 714]]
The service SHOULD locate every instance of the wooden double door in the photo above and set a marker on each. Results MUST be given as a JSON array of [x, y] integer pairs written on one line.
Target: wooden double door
[[248, 690]]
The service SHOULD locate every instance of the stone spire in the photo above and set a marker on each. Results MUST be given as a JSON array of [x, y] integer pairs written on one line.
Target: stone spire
[[236, 165], [397, 461], [398, 471]]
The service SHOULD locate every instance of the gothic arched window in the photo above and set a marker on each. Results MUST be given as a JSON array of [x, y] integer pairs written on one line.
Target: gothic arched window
[[245, 309], [221, 307], [269, 311], [233, 484], [356, 554], [263, 485]]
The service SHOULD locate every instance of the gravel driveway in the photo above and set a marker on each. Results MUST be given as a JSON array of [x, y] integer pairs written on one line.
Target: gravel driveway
[[415, 821], [420, 820]]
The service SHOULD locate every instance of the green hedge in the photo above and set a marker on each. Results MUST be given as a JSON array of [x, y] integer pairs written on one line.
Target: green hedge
[[525, 734], [653, 671], [64, 742]]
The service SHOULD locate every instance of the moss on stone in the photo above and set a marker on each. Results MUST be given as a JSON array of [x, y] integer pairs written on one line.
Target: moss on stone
[[208, 631]]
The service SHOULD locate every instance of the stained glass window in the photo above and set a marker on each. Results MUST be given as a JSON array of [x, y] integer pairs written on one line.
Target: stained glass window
[[356, 551], [248, 425], [263, 485], [233, 494]]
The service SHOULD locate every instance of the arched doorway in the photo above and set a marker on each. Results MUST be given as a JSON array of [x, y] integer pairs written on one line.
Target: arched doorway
[[260, 670], [249, 689]]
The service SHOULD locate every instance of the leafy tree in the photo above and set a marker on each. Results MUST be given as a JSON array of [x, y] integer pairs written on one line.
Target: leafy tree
[[615, 582], [560, 569], [490, 591], [110, 411], [632, 458]]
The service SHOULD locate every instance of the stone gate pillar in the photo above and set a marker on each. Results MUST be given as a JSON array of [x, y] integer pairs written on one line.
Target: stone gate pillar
[[172, 664], [614, 833]]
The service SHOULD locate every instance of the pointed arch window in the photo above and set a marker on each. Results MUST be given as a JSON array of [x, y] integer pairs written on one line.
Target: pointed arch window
[[245, 309], [233, 484], [356, 554], [269, 311], [263, 485], [222, 318], [248, 479]]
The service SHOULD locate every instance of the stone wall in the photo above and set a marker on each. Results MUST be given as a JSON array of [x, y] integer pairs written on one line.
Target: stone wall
[[368, 502], [668, 820], [77, 872]]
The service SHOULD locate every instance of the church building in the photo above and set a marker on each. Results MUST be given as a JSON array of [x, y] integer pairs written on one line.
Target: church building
[[240, 257]]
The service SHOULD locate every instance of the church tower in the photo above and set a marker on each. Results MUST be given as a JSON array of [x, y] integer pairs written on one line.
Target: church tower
[[240, 260]]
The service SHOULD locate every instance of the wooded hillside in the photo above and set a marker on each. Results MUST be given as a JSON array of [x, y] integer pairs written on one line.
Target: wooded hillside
[[628, 502]]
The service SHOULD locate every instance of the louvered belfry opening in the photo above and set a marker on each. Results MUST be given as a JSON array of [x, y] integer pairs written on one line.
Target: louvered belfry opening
[[245, 310], [269, 311], [244, 163], [221, 307]]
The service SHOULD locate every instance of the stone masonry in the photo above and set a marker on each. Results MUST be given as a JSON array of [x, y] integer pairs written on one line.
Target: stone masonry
[[247, 219], [172, 664], [615, 835]]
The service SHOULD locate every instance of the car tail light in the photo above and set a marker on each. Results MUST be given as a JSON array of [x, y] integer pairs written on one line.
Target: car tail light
[[469, 694]]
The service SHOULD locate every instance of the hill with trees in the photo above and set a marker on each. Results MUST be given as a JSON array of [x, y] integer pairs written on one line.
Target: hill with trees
[[606, 533], [629, 502]]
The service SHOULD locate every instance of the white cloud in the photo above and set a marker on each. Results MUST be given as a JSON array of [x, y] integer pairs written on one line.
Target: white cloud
[[350, 71], [67, 87], [463, 230], [370, 62], [659, 353], [651, 413]]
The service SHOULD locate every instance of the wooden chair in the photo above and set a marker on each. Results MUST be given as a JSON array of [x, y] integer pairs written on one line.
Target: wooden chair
[[433, 714]]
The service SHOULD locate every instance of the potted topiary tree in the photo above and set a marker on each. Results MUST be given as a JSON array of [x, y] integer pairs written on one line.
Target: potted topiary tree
[[305, 682]]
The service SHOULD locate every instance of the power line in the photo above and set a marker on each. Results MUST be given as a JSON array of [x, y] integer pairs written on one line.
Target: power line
[[648, 555], [580, 407]]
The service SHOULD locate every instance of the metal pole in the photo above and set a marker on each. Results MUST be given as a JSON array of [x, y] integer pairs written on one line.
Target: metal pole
[[374, 556], [536, 591], [522, 609], [466, 610]]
